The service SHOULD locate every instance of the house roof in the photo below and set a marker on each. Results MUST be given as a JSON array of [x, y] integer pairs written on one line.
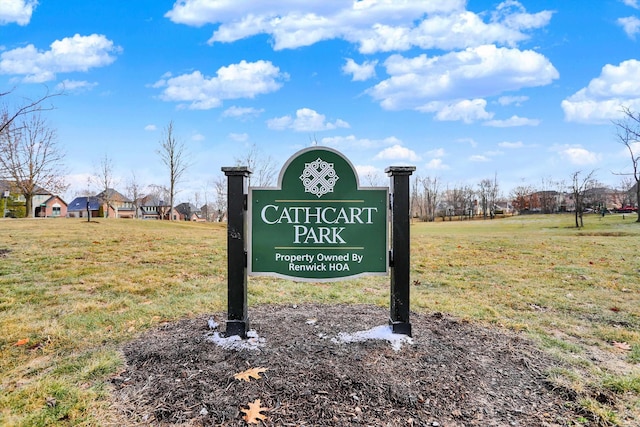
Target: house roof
[[187, 209], [113, 195], [151, 200], [11, 186], [57, 198], [80, 204]]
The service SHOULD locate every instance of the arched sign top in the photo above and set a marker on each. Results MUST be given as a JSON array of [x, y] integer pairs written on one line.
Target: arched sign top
[[318, 172], [318, 224]]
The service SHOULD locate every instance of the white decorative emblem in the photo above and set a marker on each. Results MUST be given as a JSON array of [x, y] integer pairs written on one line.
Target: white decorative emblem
[[318, 177]]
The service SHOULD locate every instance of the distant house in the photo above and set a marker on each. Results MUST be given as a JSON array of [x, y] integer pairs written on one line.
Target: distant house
[[53, 207], [151, 207], [209, 213], [547, 201], [189, 212], [83, 207], [116, 205], [16, 202]]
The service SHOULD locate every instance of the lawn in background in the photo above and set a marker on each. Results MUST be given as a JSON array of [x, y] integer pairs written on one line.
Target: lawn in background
[[72, 291]]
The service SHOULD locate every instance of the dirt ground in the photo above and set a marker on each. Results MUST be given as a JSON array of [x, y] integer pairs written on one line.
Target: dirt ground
[[452, 374]]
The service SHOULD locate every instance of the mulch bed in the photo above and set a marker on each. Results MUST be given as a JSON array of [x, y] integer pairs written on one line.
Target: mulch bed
[[454, 373]]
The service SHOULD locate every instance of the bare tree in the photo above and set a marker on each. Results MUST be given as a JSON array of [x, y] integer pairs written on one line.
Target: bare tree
[[263, 168], [134, 192], [372, 179], [430, 193], [521, 197], [175, 157], [629, 135], [30, 106], [494, 194], [579, 188], [460, 200], [159, 194], [31, 157], [624, 193], [104, 179], [219, 204], [484, 193]]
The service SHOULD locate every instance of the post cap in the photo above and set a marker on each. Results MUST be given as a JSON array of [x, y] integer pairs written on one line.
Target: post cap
[[399, 170], [236, 170]]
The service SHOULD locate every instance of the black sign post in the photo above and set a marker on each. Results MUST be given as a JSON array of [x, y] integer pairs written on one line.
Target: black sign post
[[312, 171], [237, 319], [399, 257]]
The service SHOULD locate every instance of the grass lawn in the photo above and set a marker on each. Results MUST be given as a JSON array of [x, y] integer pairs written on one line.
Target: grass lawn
[[71, 292]]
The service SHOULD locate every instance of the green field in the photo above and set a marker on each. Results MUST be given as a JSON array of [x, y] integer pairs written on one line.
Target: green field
[[77, 290]]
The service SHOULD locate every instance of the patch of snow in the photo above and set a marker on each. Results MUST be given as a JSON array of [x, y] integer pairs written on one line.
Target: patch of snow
[[234, 342], [383, 332]]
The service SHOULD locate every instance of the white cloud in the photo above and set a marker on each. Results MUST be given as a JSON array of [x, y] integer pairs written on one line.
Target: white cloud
[[71, 54], [630, 25], [373, 25], [350, 141], [18, 11], [306, 120], [632, 3], [280, 123], [197, 137], [438, 152], [577, 155], [466, 110], [418, 82], [478, 158], [512, 100], [494, 153], [242, 80], [150, 128], [239, 137], [601, 101], [507, 144], [436, 164], [513, 14], [469, 141], [242, 112], [370, 176], [75, 86], [360, 72], [398, 152], [512, 122]]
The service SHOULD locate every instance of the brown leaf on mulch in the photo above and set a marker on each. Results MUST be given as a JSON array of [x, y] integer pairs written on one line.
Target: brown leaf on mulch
[[253, 415], [250, 373]]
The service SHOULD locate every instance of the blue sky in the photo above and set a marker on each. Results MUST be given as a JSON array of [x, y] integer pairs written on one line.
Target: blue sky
[[462, 90]]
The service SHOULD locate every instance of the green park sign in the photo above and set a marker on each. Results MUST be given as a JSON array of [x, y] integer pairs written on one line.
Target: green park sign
[[318, 224]]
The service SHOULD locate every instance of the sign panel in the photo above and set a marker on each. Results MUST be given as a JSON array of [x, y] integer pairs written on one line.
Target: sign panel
[[318, 224]]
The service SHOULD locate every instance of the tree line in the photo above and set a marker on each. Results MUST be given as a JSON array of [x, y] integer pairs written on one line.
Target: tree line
[[31, 158]]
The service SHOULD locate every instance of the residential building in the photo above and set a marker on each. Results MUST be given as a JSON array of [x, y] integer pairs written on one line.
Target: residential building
[[188, 212], [119, 206], [53, 207], [83, 207]]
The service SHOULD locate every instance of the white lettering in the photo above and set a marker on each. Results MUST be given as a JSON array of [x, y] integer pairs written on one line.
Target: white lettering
[[274, 214]]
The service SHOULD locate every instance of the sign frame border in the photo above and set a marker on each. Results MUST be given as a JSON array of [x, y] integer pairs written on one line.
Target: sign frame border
[[278, 187]]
